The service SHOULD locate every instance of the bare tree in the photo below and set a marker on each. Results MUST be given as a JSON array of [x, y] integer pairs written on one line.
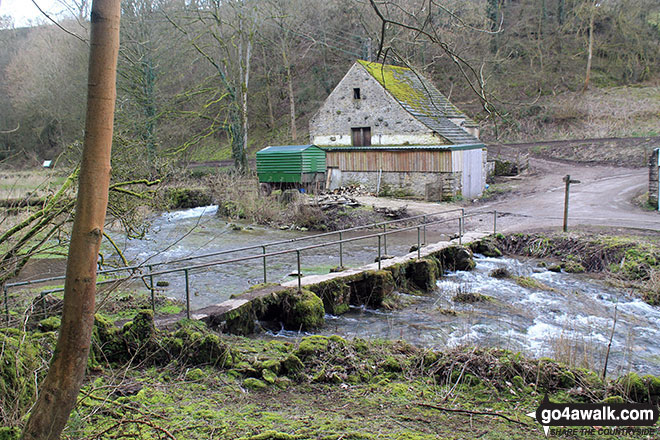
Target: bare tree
[[59, 391]]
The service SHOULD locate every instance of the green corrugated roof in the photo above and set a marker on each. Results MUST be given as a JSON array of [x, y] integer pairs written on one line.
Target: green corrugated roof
[[421, 99], [284, 149]]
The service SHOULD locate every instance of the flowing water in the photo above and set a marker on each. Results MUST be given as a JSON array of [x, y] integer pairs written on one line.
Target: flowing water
[[572, 322], [192, 232]]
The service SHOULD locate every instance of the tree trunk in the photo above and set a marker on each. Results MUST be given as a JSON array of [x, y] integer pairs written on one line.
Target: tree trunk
[[292, 98], [59, 391], [590, 51]]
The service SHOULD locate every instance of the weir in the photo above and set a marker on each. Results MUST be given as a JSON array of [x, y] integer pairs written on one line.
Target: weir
[[301, 304]]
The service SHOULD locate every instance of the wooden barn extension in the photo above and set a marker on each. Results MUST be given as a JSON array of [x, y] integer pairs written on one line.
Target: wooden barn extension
[[433, 172]]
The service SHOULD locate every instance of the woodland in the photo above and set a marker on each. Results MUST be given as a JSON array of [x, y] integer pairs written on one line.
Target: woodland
[[216, 80]]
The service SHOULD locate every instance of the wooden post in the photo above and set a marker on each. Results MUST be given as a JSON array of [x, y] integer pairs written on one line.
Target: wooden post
[[568, 182]]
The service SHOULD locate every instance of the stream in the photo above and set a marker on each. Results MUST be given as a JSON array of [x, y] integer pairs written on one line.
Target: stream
[[572, 322]]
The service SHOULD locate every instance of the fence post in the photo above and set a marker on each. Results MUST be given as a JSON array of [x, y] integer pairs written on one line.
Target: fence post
[[379, 255], [424, 220], [341, 251], [151, 289], [263, 248], [298, 257], [187, 294], [495, 222], [6, 294], [385, 239], [419, 245]]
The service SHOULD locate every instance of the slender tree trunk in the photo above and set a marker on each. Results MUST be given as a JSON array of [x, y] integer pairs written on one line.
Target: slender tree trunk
[[292, 98], [269, 98], [59, 391], [590, 51]]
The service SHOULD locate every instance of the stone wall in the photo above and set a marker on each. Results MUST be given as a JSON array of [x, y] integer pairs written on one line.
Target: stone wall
[[432, 186], [390, 124], [653, 178]]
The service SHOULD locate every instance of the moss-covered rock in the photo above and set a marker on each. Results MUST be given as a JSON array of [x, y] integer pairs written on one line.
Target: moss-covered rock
[[186, 198], [336, 295], [486, 247], [292, 365], [50, 324], [421, 274], [306, 313], [254, 384], [456, 258], [311, 345], [371, 287]]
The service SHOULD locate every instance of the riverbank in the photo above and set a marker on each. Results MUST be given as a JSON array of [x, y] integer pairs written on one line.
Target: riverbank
[[626, 261], [192, 383]]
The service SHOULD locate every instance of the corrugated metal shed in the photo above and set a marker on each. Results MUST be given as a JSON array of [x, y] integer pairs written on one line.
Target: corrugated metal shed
[[289, 163]]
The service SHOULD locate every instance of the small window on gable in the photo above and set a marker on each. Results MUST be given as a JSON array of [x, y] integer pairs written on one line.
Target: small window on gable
[[356, 93]]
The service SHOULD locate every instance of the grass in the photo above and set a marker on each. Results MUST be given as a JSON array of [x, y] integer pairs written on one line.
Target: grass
[[321, 388], [18, 185]]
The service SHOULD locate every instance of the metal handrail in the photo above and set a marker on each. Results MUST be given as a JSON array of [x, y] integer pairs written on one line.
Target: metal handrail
[[241, 249], [380, 236]]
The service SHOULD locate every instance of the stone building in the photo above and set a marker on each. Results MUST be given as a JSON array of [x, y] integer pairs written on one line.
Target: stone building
[[389, 129]]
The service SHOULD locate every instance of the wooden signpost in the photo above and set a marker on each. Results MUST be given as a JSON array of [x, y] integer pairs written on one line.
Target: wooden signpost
[[568, 181]]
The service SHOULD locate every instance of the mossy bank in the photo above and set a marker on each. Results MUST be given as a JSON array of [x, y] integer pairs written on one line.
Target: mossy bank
[[191, 383], [627, 261]]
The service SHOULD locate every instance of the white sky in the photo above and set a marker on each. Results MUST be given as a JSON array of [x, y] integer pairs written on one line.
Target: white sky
[[24, 12]]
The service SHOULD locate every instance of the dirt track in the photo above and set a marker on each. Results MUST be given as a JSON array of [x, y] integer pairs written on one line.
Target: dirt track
[[536, 200]]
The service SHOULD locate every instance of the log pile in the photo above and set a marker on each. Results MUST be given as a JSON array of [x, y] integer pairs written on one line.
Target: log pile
[[331, 201], [350, 191]]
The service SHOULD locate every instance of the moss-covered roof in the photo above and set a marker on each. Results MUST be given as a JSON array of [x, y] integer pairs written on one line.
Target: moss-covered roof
[[421, 99]]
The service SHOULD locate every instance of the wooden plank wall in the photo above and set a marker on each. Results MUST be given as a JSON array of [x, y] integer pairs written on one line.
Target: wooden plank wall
[[396, 161]]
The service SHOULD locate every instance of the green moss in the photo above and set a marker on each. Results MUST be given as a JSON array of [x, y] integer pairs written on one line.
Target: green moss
[[571, 265], [421, 274], [269, 376], [486, 247], [307, 312], [292, 365], [195, 374], [613, 399], [336, 295], [50, 324], [311, 345], [254, 384], [9, 433], [532, 283]]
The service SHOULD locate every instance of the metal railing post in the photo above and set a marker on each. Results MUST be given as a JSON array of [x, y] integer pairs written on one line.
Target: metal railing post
[[6, 294], [151, 289], [460, 230], [379, 255], [341, 251], [495, 221], [385, 239], [187, 294], [298, 257], [263, 248], [424, 220], [419, 244], [462, 222]]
